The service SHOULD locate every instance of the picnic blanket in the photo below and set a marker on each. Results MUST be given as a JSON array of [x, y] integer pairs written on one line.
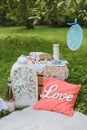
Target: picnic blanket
[[30, 119]]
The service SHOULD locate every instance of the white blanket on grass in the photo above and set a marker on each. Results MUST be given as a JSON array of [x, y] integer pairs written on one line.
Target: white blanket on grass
[[29, 119]]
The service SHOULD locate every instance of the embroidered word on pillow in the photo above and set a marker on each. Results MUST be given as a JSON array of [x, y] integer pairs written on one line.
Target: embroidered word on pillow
[[58, 96], [48, 91]]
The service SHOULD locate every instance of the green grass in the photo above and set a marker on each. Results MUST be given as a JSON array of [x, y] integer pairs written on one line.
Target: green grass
[[15, 41]]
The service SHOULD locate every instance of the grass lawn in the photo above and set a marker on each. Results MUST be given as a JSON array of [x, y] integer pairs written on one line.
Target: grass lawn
[[15, 41]]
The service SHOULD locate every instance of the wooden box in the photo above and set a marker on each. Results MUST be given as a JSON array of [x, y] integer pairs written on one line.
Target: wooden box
[[40, 81], [50, 71]]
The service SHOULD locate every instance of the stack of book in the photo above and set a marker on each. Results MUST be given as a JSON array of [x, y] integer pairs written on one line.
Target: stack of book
[[40, 55]]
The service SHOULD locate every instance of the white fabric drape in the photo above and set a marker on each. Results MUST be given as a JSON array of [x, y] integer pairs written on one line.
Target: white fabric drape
[[29, 119]]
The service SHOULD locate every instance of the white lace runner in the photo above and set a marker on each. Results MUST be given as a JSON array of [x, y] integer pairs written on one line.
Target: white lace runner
[[55, 71], [24, 83]]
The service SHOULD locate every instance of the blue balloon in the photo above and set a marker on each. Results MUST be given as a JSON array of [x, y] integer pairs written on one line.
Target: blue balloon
[[74, 37]]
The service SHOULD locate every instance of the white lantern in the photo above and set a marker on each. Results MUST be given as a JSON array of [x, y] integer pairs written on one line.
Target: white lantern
[[24, 82]]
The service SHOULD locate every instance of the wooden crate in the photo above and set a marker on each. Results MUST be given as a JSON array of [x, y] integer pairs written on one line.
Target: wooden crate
[[53, 71], [40, 82]]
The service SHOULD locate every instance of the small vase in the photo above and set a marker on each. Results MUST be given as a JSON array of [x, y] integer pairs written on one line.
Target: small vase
[[11, 105]]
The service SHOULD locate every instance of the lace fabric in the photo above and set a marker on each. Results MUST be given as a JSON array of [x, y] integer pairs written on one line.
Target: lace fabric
[[55, 71]]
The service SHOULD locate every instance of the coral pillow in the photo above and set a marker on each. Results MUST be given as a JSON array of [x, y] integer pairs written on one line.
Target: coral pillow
[[58, 96]]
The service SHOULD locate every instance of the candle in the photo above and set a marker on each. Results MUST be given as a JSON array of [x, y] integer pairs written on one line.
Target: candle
[[56, 52]]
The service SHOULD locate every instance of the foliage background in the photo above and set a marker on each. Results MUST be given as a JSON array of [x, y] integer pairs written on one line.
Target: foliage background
[[42, 12]]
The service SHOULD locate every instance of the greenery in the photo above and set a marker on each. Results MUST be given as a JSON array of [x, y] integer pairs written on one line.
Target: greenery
[[15, 41], [46, 12]]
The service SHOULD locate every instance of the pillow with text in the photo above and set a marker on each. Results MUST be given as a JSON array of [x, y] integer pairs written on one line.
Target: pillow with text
[[58, 96]]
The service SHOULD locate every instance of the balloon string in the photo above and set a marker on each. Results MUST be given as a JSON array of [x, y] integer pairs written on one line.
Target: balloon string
[[75, 22]]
